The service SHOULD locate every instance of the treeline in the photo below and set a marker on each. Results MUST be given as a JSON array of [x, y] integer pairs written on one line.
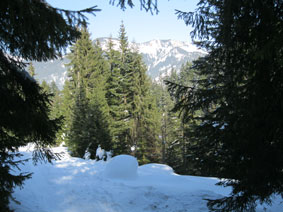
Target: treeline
[[109, 100]]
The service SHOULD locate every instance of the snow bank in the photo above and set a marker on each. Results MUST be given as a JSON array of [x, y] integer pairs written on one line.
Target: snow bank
[[122, 167], [156, 169], [74, 185]]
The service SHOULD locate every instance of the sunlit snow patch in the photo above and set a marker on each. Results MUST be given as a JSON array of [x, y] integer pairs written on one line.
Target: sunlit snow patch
[[156, 169]]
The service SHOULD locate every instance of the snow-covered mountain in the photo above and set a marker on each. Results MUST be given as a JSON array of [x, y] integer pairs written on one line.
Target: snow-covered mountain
[[160, 56], [163, 55]]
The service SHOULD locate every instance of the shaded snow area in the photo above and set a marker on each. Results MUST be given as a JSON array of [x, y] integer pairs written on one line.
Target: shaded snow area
[[119, 185]]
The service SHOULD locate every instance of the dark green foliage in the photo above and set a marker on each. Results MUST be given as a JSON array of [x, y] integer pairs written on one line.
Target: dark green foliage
[[115, 100], [86, 109], [118, 93], [131, 105], [36, 31], [147, 5], [80, 135], [32, 31], [238, 135], [144, 122], [56, 103], [108, 102], [173, 129], [24, 119]]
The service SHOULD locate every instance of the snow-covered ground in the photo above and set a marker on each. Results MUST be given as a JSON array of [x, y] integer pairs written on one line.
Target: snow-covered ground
[[78, 185]]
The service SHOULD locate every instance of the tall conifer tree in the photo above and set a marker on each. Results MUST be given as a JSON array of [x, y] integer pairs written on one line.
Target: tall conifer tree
[[130, 102], [117, 93], [114, 96], [240, 134], [144, 122], [24, 110], [179, 145], [87, 78]]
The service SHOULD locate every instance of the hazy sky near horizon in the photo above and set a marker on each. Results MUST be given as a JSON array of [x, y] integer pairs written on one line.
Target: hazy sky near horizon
[[141, 26]]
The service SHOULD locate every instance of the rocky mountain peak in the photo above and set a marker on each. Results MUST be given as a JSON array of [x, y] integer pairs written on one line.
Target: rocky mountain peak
[[160, 56]]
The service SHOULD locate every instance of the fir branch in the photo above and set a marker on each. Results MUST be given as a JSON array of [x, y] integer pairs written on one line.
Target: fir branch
[[78, 15], [147, 5]]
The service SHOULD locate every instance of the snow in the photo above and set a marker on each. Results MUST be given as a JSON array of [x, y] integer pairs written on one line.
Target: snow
[[100, 153], [78, 185], [87, 155], [156, 169], [122, 167]]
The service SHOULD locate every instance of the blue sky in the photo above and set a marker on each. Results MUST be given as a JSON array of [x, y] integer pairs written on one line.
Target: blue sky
[[140, 26]]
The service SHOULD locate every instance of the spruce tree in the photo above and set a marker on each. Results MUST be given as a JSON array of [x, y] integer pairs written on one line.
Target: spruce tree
[[75, 93], [179, 145], [131, 105], [56, 104], [170, 132], [31, 70], [88, 122], [45, 87], [79, 135], [239, 137], [114, 96], [144, 121], [98, 102], [117, 93], [32, 31], [124, 97]]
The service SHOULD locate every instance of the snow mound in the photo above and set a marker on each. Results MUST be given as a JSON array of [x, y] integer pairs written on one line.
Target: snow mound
[[156, 169], [122, 167]]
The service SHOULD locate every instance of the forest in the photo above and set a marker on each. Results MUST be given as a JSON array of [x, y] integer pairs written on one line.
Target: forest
[[109, 101], [220, 116]]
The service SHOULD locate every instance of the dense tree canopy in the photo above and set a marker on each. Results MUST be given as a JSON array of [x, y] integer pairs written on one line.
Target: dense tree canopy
[[85, 106], [29, 30], [240, 95]]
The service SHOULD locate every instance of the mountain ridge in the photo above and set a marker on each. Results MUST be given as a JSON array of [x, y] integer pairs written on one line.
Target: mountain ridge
[[160, 56]]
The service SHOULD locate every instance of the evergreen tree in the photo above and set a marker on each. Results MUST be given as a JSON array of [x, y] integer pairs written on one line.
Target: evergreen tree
[[114, 96], [88, 119], [55, 99], [143, 122], [98, 103], [125, 89], [134, 127], [31, 70], [118, 92], [239, 137], [147, 5], [56, 102], [79, 135], [31, 30], [179, 145], [45, 87], [75, 93], [169, 126], [68, 101], [24, 109]]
